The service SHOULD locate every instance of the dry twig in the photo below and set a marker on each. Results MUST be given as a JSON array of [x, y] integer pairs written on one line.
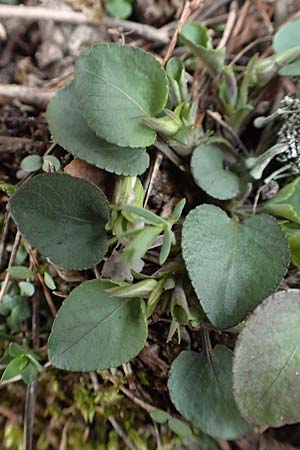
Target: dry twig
[[189, 7], [72, 17], [4, 233], [43, 284], [117, 427], [231, 20], [30, 95], [10, 263]]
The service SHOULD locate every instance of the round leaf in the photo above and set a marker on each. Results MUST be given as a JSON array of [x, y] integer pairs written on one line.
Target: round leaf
[[69, 128], [64, 218], [95, 331], [119, 8], [26, 289], [287, 37], [266, 369], [31, 163], [118, 86], [208, 172], [233, 266], [201, 390]]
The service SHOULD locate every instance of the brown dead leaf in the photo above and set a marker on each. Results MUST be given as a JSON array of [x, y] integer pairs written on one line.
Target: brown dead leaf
[[81, 169]]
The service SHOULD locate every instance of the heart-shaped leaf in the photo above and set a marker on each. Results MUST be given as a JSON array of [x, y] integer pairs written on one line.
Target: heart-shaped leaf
[[233, 266], [69, 128], [200, 387], [95, 331], [266, 369], [209, 174], [118, 86], [64, 218]]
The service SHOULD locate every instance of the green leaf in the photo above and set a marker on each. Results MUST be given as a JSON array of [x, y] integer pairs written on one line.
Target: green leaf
[[180, 428], [155, 296], [64, 218], [10, 353], [19, 313], [21, 272], [197, 34], [49, 281], [197, 38], [159, 416], [233, 266], [287, 37], [266, 369], [291, 70], [69, 128], [9, 189], [139, 246], [119, 8], [26, 289], [176, 214], [292, 232], [15, 349], [201, 389], [95, 331], [209, 174], [176, 425], [29, 372], [118, 86], [178, 81], [31, 163], [149, 217], [14, 367], [166, 247], [16, 309], [286, 202], [202, 442], [141, 289]]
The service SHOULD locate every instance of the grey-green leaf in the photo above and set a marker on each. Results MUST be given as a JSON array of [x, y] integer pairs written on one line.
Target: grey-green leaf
[[197, 38], [119, 8], [69, 128], [95, 331], [64, 218], [21, 272], [291, 70], [266, 369], [31, 163], [49, 281], [118, 86], [287, 37], [177, 426], [286, 203], [233, 266], [209, 174], [201, 389]]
